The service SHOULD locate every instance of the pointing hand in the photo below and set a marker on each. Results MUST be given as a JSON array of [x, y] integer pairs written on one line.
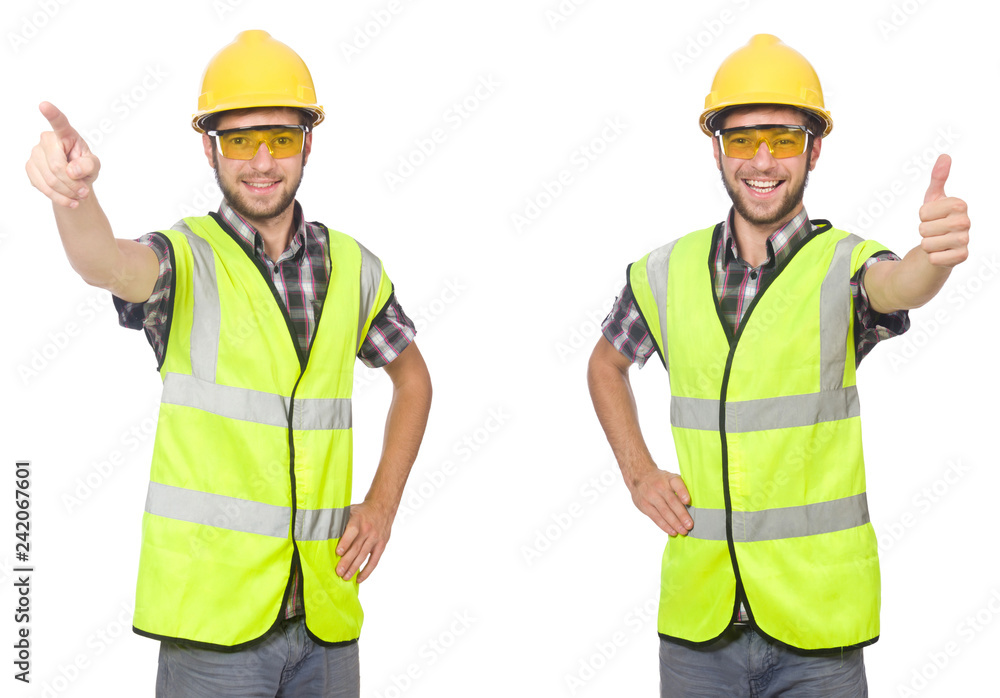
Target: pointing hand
[[61, 165]]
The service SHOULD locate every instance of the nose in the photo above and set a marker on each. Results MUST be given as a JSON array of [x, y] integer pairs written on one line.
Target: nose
[[763, 159], [262, 159]]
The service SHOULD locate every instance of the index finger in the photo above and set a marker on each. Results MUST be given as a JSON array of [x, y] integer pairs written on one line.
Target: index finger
[[57, 120]]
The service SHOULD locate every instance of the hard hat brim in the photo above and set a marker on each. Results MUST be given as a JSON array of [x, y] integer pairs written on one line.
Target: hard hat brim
[[765, 98], [263, 102]]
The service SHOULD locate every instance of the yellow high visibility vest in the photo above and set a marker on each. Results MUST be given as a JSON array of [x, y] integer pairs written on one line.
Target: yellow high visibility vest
[[251, 469], [767, 428]]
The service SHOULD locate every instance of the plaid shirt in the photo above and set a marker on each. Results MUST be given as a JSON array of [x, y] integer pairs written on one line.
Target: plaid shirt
[[737, 284], [301, 275]]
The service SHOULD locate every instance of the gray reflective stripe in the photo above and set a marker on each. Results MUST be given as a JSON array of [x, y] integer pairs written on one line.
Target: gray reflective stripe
[[320, 524], [657, 266], [322, 413], [792, 411], [766, 413], [835, 315], [243, 515], [255, 406], [709, 524], [217, 510], [206, 322], [786, 522], [371, 279], [694, 413]]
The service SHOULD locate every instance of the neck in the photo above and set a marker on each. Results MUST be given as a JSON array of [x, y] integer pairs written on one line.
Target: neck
[[751, 238], [276, 232]]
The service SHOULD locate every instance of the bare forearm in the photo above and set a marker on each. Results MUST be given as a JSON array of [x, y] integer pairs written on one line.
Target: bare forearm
[[908, 283], [404, 430], [660, 495], [87, 238], [614, 403], [123, 267]]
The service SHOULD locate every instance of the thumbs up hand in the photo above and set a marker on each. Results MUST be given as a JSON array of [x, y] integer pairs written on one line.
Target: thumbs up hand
[[61, 165], [944, 221]]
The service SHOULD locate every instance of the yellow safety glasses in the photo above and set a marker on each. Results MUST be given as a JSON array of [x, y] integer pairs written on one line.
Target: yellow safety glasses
[[783, 141], [243, 143]]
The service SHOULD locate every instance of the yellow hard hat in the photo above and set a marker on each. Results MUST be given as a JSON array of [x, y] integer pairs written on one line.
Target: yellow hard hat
[[766, 71], [255, 71]]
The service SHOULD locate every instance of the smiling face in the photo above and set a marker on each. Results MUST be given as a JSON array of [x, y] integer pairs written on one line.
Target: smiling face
[[766, 191], [264, 187]]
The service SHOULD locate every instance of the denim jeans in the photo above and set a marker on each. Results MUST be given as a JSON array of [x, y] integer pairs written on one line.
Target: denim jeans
[[742, 663], [286, 663]]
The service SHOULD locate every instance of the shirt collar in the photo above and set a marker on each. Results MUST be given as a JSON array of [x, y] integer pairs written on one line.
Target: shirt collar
[[780, 244], [253, 240]]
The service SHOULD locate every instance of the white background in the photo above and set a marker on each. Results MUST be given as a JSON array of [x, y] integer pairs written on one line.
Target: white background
[[507, 317]]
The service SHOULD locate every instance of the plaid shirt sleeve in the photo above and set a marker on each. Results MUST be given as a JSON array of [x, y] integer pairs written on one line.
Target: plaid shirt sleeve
[[152, 315], [625, 329], [391, 331], [871, 327]]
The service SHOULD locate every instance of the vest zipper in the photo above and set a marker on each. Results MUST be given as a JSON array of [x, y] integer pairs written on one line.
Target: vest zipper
[[734, 340], [303, 356]]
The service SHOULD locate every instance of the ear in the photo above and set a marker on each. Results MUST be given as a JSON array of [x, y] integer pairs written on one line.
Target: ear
[[816, 147], [209, 144], [717, 152]]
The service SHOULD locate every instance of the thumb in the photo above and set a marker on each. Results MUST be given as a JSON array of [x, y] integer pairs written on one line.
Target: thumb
[[939, 176]]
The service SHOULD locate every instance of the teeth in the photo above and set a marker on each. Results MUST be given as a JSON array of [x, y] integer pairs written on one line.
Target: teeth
[[761, 185], [260, 185]]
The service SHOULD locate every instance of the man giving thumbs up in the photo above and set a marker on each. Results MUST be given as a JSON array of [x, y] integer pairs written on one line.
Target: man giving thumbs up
[[770, 580]]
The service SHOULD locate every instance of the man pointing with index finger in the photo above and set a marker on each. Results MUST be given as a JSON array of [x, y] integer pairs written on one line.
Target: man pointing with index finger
[[251, 550], [770, 578]]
